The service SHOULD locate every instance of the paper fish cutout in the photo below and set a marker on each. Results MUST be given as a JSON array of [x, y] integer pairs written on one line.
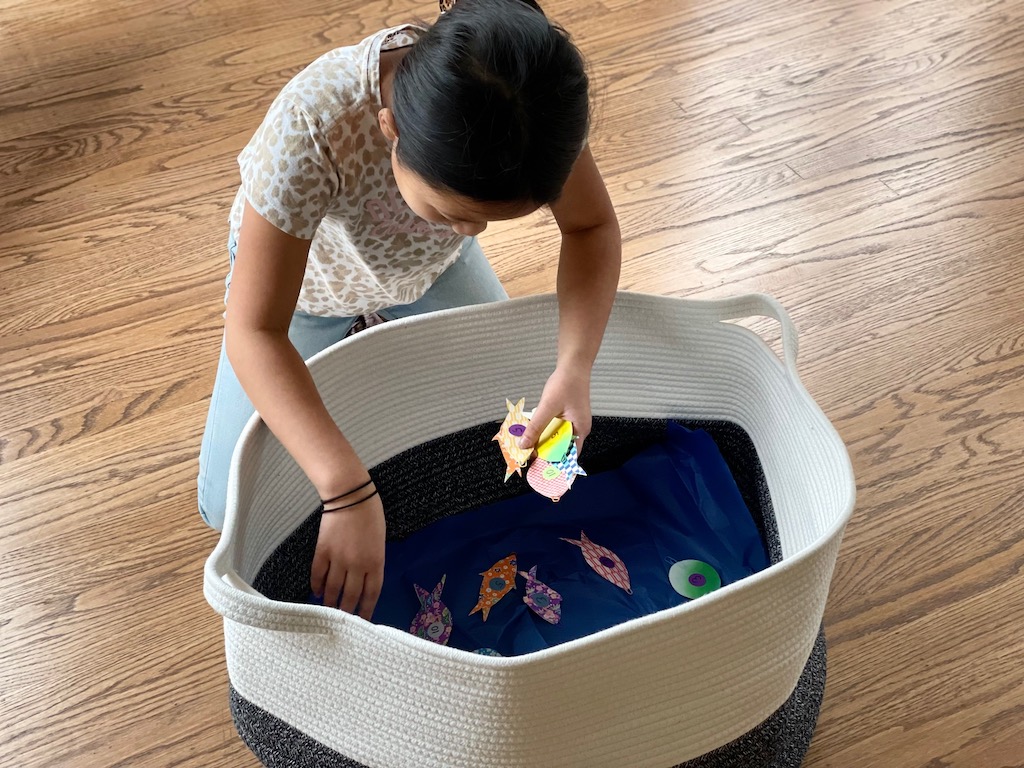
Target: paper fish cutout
[[554, 480], [555, 440], [569, 465], [605, 562], [434, 620], [548, 480], [499, 579], [512, 428], [541, 598]]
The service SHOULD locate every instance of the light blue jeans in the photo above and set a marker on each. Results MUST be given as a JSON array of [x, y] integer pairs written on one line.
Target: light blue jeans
[[470, 280]]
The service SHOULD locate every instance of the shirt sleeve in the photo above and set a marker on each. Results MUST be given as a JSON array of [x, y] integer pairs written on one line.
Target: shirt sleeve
[[288, 175]]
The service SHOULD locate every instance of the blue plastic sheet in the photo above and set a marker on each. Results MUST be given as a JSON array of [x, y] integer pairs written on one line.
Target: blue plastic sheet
[[674, 501]]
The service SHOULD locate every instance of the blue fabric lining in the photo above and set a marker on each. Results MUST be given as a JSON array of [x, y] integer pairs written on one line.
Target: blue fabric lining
[[674, 501]]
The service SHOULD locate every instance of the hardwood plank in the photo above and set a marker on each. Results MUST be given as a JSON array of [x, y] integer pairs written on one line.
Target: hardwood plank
[[861, 161]]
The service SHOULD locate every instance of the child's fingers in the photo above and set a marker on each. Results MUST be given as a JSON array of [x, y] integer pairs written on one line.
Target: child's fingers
[[335, 583], [582, 433], [318, 574], [353, 590], [541, 418], [371, 593]]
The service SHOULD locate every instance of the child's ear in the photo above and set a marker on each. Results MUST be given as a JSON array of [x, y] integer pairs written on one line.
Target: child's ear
[[386, 118]]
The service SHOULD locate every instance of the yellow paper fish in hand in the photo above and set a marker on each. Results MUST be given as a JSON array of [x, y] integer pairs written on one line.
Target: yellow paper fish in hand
[[554, 441]]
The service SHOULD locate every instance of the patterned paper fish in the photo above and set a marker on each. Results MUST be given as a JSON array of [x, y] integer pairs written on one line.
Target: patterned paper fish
[[498, 580], [554, 441], [547, 479], [512, 428], [555, 480], [542, 599], [570, 465], [434, 620], [605, 562]]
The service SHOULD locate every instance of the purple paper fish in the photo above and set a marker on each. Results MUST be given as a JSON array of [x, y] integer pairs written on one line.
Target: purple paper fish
[[434, 620], [541, 598]]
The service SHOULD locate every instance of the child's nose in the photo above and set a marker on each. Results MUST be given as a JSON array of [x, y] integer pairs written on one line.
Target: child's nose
[[468, 228]]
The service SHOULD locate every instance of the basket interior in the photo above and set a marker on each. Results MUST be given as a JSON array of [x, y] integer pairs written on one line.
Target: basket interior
[[418, 485]]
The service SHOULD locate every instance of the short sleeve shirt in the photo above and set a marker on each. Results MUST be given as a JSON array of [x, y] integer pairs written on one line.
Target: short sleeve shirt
[[319, 168]]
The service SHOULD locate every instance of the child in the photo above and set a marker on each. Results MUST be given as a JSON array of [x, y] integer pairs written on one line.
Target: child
[[363, 191]]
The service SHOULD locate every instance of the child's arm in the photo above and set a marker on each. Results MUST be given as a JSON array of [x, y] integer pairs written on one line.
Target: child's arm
[[588, 276], [267, 275]]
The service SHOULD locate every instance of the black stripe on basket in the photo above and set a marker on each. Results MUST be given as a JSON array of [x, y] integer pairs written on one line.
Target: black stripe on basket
[[781, 741], [414, 483]]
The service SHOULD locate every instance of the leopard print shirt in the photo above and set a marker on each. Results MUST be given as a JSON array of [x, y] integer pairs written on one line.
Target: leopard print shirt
[[319, 168]]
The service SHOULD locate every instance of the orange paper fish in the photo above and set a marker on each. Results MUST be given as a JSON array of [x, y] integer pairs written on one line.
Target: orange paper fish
[[499, 579], [512, 428]]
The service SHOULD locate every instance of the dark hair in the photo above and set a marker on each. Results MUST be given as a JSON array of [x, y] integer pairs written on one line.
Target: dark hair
[[492, 103]]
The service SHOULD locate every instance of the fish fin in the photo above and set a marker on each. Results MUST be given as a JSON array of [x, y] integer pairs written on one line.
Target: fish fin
[[436, 594], [422, 594]]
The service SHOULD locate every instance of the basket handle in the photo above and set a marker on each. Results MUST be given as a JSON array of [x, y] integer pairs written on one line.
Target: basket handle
[[761, 305], [230, 596]]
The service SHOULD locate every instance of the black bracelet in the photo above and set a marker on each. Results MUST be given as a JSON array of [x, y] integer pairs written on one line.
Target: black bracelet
[[353, 504], [342, 496]]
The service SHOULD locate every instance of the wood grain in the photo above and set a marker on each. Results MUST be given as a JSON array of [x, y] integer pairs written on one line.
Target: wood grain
[[864, 162]]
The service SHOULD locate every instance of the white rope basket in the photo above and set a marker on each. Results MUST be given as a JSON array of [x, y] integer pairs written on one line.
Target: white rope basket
[[652, 692]]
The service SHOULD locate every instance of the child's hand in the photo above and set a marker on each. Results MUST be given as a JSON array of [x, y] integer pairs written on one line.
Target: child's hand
[[566, 396], [349, 559]]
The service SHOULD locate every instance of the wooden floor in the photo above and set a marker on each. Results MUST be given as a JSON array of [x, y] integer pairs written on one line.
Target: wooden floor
[[863, 161]]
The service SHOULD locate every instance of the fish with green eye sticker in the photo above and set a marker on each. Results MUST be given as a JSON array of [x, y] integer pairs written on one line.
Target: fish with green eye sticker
[[547, 479], [554, 480]]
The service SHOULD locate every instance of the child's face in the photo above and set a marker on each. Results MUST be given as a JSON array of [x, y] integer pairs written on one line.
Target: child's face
[[465, 216]]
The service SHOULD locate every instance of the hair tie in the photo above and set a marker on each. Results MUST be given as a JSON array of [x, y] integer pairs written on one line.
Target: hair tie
[[348, 493], [353, 504]]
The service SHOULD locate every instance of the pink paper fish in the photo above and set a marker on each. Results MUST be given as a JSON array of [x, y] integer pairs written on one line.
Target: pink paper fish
[[605, 562], [547, 479], [541, 598], [434, 620], [554, 480], [498, 580]]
